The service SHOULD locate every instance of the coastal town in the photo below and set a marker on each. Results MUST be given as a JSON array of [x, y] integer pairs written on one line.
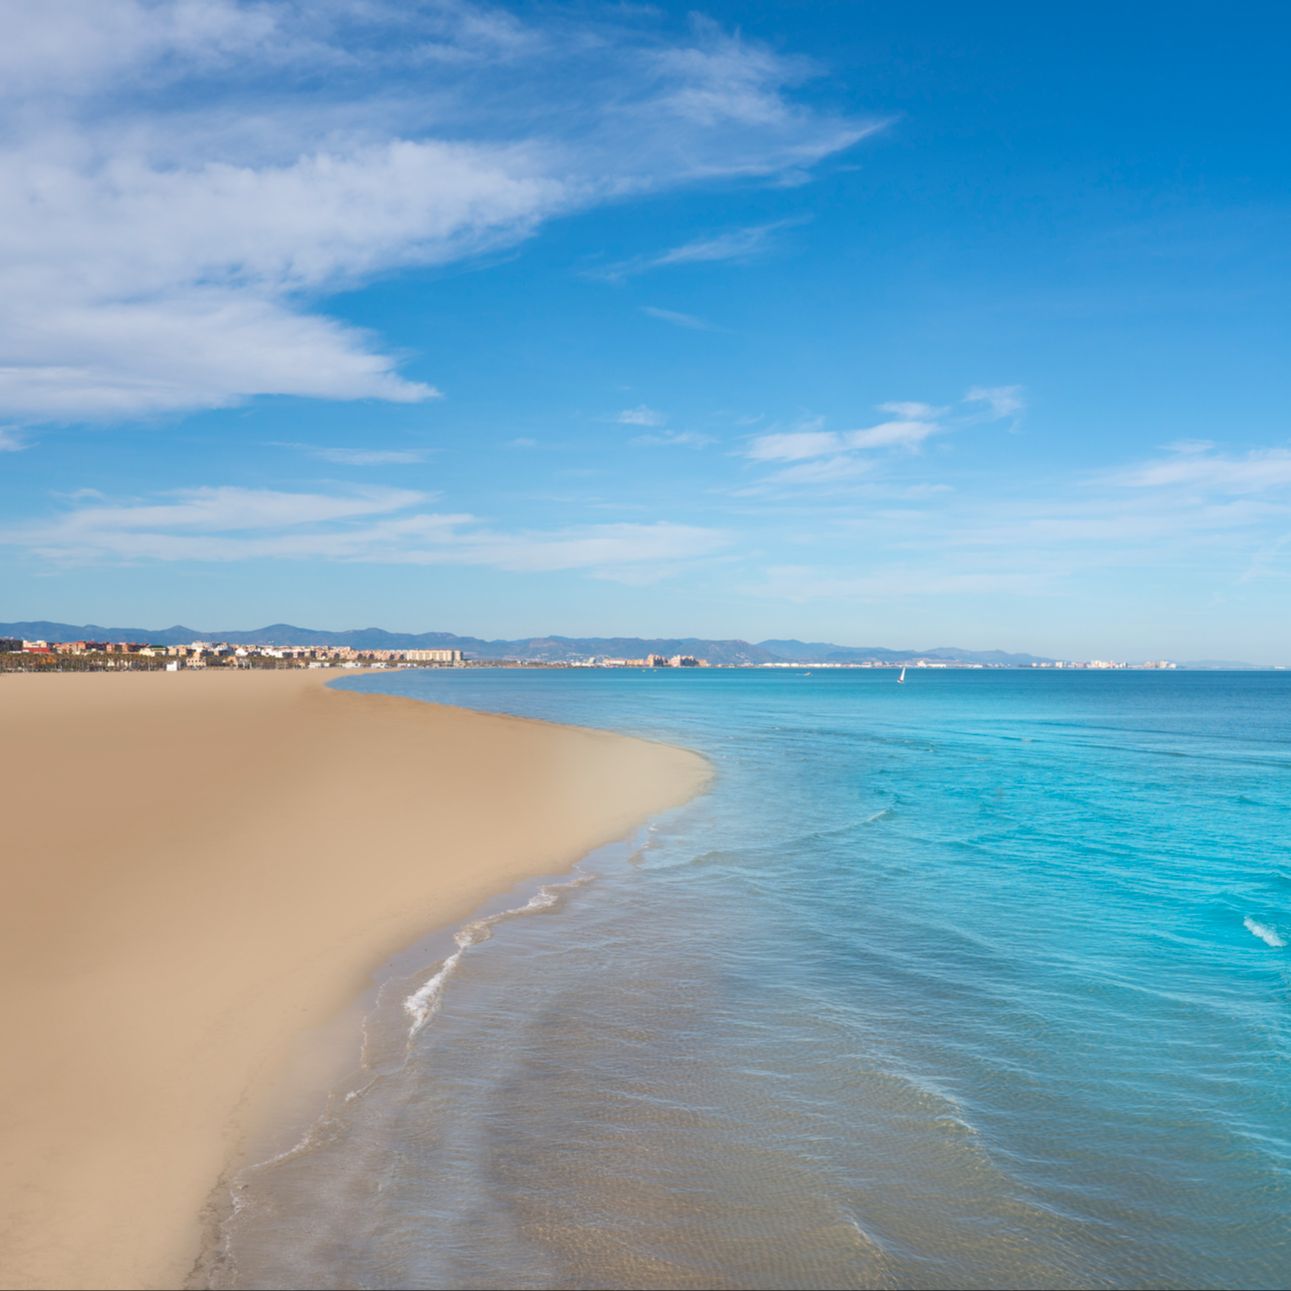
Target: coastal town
[[89, 656], [20, 655], [82, 656]]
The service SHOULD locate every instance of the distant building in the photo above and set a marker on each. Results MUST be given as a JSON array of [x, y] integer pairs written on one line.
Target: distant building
[[10, 645], [433, 656]]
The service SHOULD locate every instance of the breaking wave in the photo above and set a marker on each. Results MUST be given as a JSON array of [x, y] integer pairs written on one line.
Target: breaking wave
[[424, 1002], [1267, 935]]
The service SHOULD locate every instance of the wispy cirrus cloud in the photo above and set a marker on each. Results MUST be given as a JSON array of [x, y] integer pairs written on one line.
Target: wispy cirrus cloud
[[913, 410], [675, 438], [997, 402], [224, 509], [674, 316], [1195, 465], [822, 470], [739, 245], [184, 182], [641, 415], [1138, 523], [372, 526], [797, 445], [341, 456], [825, 456]]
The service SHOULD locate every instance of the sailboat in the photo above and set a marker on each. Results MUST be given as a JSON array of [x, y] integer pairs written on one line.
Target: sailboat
[[901, 678]]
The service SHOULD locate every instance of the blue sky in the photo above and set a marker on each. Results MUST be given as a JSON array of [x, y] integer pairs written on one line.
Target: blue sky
[[904, 324]]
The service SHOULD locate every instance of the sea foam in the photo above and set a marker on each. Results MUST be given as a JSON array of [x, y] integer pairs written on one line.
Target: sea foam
[[424, 1002], [1266, 934]]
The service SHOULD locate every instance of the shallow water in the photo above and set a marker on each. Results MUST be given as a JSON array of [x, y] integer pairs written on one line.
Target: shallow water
[[979, 981]]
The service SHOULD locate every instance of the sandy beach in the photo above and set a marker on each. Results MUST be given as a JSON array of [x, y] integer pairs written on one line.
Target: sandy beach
[[198, 868]]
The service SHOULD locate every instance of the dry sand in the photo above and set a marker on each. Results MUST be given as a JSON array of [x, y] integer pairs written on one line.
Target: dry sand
[[198, 868]]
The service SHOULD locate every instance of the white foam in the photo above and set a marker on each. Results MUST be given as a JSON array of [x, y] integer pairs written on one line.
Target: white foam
[[1266, 934], [302, 1144], [423, 1003]]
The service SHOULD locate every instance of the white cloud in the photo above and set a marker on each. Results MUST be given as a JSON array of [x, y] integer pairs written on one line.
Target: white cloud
[[219, 510], [183, 182], [892, 434], [678, 319], [999, 401], [797, 445], [10, 440], [794, 445], [74, 47], [677, 438], [201, 348], [734, 244], [1045, 549], [728, 84], [641, 415], [375, 526], [913, 411], [824, 470], [366, 456], [1193, 466], [726, 79], [1046, 539], [913, 424]]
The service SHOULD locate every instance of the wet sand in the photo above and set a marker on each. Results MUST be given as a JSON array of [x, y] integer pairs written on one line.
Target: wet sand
[[200, 868]]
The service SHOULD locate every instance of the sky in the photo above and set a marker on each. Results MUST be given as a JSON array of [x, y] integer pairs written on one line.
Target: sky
[[905, 324]]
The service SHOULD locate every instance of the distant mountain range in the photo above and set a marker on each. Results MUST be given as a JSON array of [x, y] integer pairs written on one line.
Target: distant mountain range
[[539, 649]]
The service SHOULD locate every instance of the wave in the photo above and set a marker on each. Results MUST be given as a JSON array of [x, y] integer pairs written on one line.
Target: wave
[[424, 1002], [1262, 930]]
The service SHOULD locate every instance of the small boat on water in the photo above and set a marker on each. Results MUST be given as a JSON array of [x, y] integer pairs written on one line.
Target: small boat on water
[[901, 678]]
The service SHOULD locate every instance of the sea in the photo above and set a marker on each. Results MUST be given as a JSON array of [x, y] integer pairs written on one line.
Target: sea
[[983, 980]]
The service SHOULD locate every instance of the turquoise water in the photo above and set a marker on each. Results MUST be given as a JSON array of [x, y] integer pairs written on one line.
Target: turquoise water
[[978, 981]]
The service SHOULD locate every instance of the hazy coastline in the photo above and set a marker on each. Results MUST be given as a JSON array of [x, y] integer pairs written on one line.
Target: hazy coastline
[[203, 867]]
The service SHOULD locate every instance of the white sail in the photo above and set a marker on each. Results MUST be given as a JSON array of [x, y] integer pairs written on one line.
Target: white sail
[[901, 678]]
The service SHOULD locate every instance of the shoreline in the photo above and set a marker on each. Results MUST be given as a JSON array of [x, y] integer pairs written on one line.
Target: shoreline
[[371, 1042], [205, 872]]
